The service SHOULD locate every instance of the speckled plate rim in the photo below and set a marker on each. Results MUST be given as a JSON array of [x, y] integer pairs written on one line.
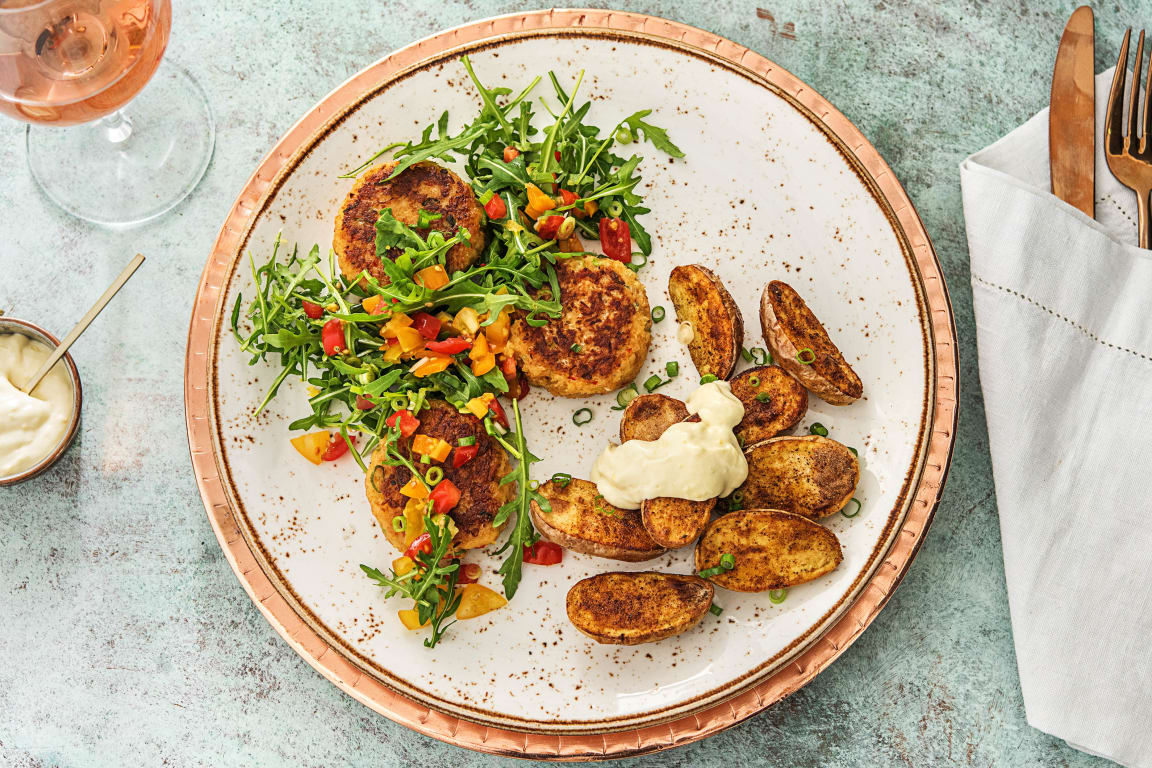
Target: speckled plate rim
[[820, 652]]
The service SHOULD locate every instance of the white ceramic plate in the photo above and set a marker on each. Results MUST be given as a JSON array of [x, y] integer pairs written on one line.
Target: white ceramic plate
[[765, 192]]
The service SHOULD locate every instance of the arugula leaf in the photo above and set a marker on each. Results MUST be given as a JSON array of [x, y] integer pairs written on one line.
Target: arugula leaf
[[391, 233], [658, 137]]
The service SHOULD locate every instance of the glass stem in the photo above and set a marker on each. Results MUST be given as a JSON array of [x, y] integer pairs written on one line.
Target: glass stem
[[117, 127]]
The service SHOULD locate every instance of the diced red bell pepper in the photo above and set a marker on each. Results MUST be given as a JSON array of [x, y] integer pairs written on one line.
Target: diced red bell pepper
[[510, 154], [444, 496], [543, 553], [332, 336], [497, 412], [404, 421], [364, 403], [420, 544], [567, 197], [464, 454], [449, 346], [616, 239], [508, 366], [550, 226], [314, 311], [427, 325], [496, 208], [337, 448]]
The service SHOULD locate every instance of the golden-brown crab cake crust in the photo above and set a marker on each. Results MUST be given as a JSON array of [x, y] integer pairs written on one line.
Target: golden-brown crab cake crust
[[605, 312], [424, 185], [481, 494]]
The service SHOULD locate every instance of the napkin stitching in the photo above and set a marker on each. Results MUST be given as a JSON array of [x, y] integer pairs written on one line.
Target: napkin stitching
[[1112, 199], [1056, 314]]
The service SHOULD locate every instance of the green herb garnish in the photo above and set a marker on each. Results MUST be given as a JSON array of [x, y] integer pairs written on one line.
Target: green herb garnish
[[806, 356], [708, 378], [727, 563], [855, 511], [777, 595], [657, 314], [818, 429], [582, 417], [672, 368]]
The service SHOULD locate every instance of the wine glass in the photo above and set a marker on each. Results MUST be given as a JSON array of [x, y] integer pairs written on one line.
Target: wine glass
[[140, 134]]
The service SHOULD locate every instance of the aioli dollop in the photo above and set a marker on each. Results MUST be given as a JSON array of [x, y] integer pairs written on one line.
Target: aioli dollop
[[31, 425], [691, 460]]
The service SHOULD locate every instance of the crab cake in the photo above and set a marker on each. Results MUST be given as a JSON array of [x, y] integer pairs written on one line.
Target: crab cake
[[600, 339], [479, 480], [424, 186]]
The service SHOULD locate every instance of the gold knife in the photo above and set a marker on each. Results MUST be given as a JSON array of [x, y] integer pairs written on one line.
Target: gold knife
[[1072, 116]]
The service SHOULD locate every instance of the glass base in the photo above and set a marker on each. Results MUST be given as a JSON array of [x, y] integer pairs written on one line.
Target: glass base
[[133, 165]]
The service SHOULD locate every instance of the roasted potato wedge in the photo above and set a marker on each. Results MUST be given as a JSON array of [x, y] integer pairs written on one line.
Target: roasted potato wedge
[[810, 475], [773, 550], [794, 335], [717, 325], [582, 521], [774, 402], [675, 523], [647, 416], [634, 608]]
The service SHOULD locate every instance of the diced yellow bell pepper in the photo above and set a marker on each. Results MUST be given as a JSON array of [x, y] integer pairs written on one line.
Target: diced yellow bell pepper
[[433, 363], [397, 321], [497, 332], [444, 520], [477, 600], [538, 202], [570, 245], [403, 565], [410, 618], [414, 489], [414, 516], [312, 445], [467, 322], [432, 447], [409, 338], [433, 278], [590, 207], [478, 406], [446, 326], [484, 364], [479, 348], [371, 305], [392, 352]]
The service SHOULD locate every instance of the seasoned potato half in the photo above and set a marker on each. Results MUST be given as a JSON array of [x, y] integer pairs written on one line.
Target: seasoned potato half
[[601, 338], [424, 185], [582, 521], [796, 337], [809, 475], [481, 494], [633, 608], [647, 416], [773, 550], [774, 403], [717, 325], [675, 523]]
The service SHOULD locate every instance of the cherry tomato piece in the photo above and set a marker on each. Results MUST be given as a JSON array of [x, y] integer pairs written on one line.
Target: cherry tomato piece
[[337, 448], [616, 239], [449, 346], [314, 311], [464, 454], [332, 336], [496, 208], [426, 325], [404, 421], [543, 553]]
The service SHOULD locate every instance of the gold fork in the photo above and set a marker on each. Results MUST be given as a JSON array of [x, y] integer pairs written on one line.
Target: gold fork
[[1129, 158]]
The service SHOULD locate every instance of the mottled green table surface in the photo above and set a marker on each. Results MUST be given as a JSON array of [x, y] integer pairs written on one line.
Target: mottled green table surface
[[125, 640]]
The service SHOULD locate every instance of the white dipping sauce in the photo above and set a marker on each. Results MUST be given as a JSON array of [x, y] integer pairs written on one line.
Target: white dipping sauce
[[691, 460], [31, 425]]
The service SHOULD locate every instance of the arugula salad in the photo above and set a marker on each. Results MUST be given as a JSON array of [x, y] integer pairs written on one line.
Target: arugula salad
[[376, 350]]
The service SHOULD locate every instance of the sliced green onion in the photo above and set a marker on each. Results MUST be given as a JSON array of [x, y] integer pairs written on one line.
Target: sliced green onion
[[761, 356], [434, 475], [754, 380], [854, 453], [615, 208], [399, 524], [466, 441], [744, 353], [625, 396], [806, 359], [425, 458], [653, 382], [715, 610], [577, 348], [728, 561], [425, 218], [376, 480], [533, 484], [708, 378], [672, 368], [657, 314], [561, 479], [856, 511], [763, 397], [818, 429], [488, 195], [638, 260], [582, 417], [777, 595]]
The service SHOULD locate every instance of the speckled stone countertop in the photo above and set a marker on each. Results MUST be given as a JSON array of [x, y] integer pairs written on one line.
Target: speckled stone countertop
[[126, 640]]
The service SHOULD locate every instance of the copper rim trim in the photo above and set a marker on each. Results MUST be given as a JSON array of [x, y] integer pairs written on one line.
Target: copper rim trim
[[871, 598]]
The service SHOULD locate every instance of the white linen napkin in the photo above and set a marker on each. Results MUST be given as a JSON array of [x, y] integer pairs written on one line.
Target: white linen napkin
[[1063, 309]]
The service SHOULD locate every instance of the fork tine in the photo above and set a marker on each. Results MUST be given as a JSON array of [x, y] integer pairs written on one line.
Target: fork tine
[[1147, 110], [1134, 96], [1113, 140]]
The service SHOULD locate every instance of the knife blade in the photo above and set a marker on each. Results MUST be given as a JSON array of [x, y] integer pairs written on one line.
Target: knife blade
[[1072, 115]]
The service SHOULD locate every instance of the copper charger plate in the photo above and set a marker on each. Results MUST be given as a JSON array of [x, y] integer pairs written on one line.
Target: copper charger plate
[[939, 327]]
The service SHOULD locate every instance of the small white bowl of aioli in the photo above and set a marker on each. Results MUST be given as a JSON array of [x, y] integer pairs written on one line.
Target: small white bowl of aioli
[[35, 428]]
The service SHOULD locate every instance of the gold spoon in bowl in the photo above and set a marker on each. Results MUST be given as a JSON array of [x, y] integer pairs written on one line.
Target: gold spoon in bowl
[[85, 321]]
